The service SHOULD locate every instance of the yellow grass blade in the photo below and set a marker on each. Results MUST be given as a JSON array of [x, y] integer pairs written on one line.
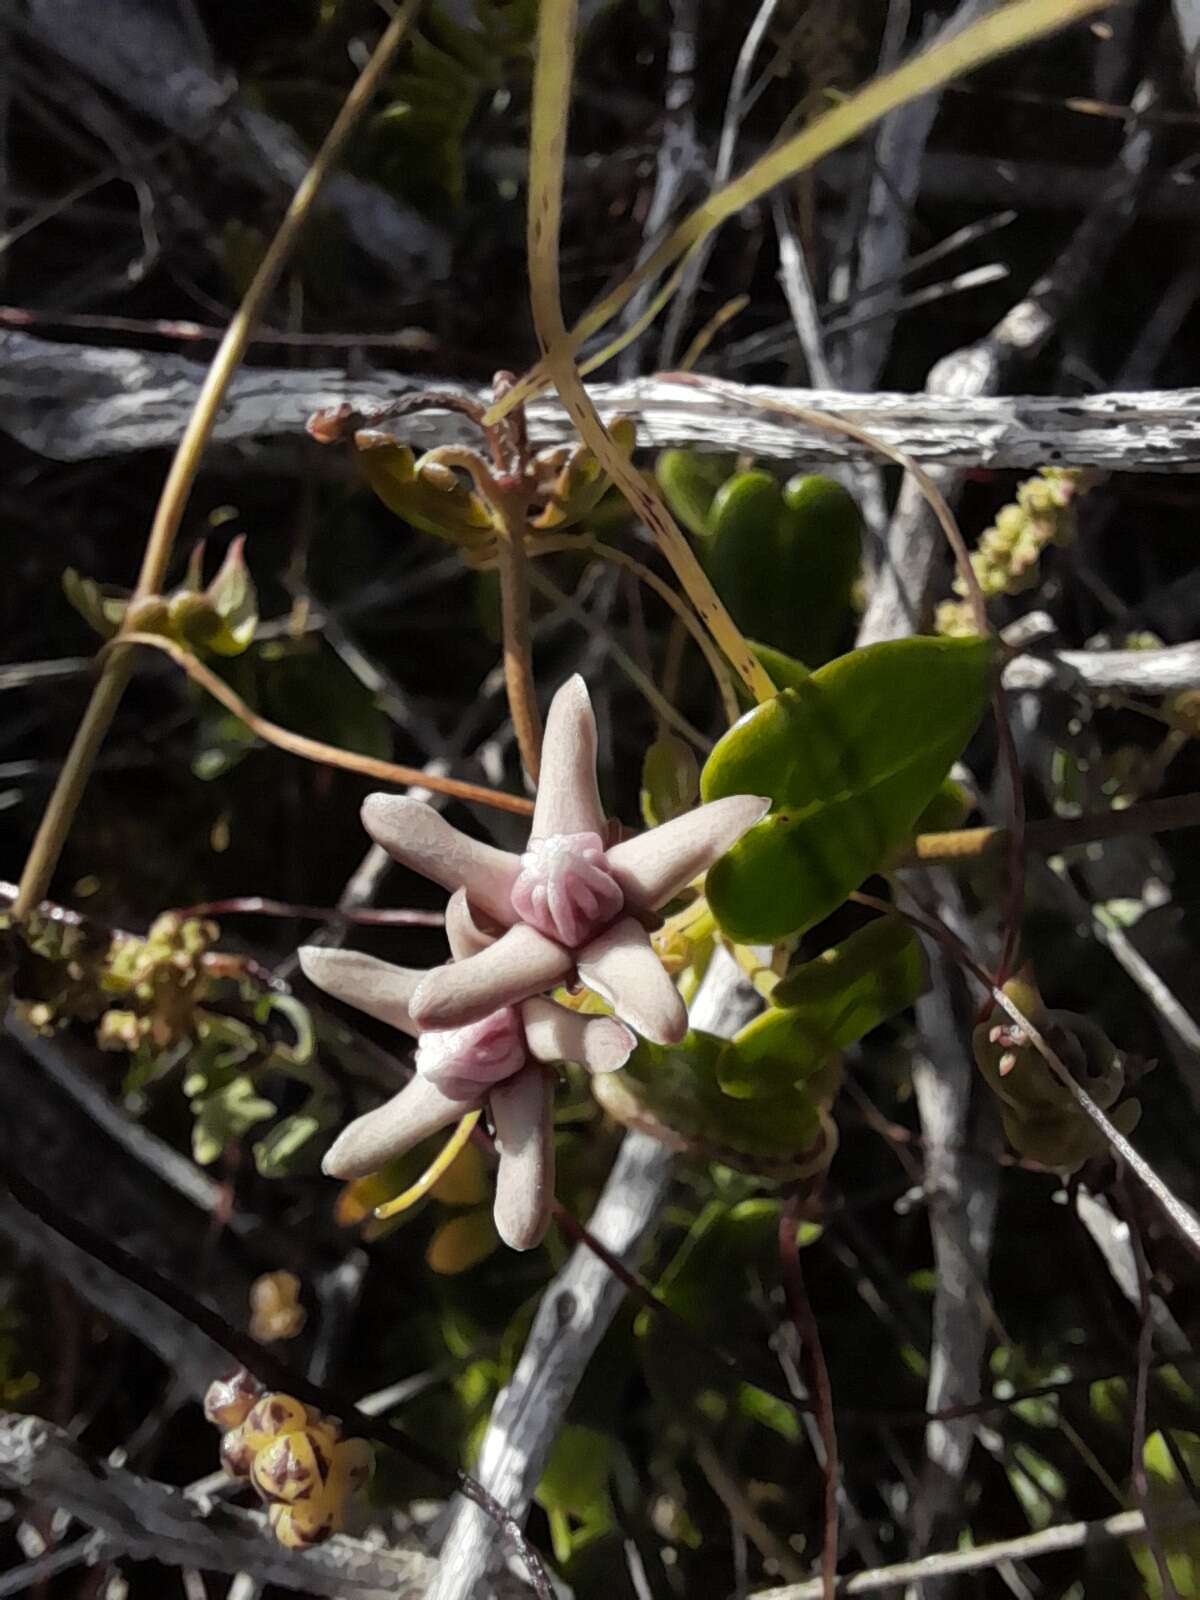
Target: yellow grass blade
[[547, 140], [1013, 25]]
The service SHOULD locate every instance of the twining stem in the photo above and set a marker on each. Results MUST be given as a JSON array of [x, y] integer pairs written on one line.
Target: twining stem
[[512, 564], [326, 755], [118, 664]]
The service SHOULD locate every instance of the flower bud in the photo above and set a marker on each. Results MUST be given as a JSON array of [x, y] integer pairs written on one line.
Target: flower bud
[[229, 1401]]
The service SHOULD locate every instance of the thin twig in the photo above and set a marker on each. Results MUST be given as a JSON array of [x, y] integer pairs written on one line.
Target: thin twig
[[813, 1355], [985, 1557], [1049, 835]]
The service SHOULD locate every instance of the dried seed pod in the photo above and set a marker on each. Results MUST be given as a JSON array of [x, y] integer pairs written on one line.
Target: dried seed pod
[[229, 1401]]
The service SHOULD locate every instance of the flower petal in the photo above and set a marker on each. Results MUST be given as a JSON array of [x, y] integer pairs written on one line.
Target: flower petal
[[568, 800], [374, 986], [415, 835], [622, 968], [653, 866], [521, 963], [554, 1033], [465, 936], [521, 1110], [421, 1108]]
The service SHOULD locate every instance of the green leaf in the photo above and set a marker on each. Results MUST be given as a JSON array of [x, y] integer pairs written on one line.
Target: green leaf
[[675, 1095], [785, 671], [283, 1148], [100, 607], [724, 1246], [432, 498], [233, 602], [850, 758], [670, 780], [820, 1008], [785, 561], [1168, 1492], [225, 1115], [582, 482], [689, 480]]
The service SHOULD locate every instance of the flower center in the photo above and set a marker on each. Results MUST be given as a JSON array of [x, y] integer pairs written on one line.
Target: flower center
[[566, 889], [476, 1056]]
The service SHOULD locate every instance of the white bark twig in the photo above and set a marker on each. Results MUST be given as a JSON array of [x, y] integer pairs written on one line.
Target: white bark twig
[[1028, 1547], [74, 402], [149, 1521]]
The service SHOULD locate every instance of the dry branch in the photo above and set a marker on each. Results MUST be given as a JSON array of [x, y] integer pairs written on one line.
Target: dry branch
[[74, 402], [1028, 1547], [149, 1521]]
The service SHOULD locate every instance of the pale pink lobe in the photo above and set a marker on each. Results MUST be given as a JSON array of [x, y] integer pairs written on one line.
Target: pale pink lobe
[[374, 986], [463, 932], [565, 889], [622, 968], [553, 1033], [370, 1142], [568, 800], [415, 835], [522, 1113], [481, 1054], [653, 867], [522, 962]]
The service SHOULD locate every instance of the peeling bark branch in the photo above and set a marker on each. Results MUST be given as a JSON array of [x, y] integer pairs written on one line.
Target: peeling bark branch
[[75, 402]]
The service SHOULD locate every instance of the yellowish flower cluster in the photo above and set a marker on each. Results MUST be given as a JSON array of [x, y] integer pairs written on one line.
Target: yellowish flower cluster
[[297, 1459], [1007, 558]]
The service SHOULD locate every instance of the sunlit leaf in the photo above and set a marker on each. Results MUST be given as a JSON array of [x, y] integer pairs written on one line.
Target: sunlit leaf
[[823, 1006], [850, 758]]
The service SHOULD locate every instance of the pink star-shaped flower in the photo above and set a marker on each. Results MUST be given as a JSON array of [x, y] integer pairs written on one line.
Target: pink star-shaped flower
[[495, 1060], [571, 904]]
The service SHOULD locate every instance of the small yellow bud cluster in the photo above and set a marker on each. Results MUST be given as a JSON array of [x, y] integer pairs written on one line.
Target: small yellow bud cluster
[[1006, 560], [294, 1456]]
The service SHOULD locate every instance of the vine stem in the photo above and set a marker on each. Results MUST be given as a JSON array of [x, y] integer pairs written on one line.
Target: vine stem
[[512, 564], [118, 665], [327, 755]]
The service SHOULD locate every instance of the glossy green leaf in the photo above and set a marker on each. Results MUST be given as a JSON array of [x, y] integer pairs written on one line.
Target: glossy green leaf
[[670, 780], [785, 561], [689, 480], [850, 758], [785, 671], [820, 1008], [432, 498], [675, 1095]]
